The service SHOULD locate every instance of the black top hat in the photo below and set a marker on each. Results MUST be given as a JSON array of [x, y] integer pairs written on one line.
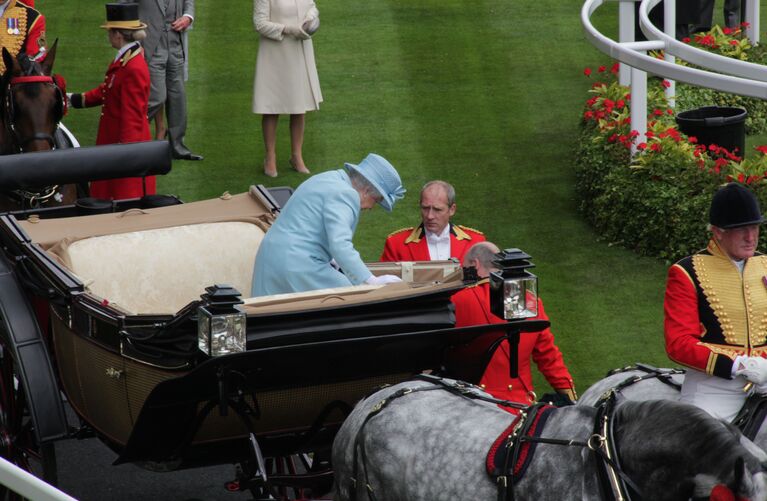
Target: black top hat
[[733, 206], [123, 16]]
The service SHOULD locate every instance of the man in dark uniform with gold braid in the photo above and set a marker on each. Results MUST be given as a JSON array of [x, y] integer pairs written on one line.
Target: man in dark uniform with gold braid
[[22, 31], [716, 308]]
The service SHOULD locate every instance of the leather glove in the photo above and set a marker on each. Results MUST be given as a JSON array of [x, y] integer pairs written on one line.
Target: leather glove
[[754, 369], [295, 31], [75, 100], [383, 279]]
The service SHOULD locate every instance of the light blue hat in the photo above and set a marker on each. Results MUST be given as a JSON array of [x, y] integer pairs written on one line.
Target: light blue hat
[[383, 176]]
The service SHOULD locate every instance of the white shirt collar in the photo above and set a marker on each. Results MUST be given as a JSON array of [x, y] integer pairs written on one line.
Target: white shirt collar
[[445, 234], [3, 6], [439, 244], [125, 48]]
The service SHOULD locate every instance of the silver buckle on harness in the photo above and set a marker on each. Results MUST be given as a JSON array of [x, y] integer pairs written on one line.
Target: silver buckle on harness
[[600, 442]]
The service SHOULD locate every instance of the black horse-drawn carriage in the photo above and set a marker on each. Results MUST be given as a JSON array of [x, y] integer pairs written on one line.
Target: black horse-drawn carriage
[[131, 312]]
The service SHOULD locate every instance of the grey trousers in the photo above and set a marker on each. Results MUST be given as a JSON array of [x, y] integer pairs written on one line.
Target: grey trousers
[[731, 11], [166, 73]]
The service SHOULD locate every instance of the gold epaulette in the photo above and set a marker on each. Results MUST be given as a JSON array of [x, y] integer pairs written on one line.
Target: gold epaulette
[[460, 234], [478, 283], [470, 229], [415, 235], [130, 54], [399, 231]]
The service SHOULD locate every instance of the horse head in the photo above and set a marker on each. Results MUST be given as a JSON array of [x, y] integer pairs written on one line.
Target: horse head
[[32, 104], [678, 451]]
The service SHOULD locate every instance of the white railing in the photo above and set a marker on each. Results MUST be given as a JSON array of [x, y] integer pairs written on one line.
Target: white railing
[[733, 76], [28, 485]]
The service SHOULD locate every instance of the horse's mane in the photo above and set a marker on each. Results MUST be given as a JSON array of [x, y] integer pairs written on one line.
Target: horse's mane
[[680, 439]]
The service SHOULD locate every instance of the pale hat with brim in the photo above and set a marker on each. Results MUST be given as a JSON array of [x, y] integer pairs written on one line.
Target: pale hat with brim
[[123, 16], [383, 176]]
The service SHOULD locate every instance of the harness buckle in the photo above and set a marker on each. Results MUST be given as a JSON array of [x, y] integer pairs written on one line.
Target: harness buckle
[[599, 439], [377, 407]]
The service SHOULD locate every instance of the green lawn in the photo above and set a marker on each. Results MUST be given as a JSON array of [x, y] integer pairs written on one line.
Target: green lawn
[[486, 95]]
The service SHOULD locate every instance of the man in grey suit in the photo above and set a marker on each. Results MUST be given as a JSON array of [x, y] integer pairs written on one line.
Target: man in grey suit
[[165, 49]]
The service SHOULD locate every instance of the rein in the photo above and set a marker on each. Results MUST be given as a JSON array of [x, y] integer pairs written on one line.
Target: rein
[[601, 442]]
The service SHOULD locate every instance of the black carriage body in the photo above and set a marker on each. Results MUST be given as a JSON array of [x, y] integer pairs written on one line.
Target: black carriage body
[[138, 378]]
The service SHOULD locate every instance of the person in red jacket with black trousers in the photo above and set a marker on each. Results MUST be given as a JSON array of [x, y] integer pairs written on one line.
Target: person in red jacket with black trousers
[[472, 307], [124, 98]]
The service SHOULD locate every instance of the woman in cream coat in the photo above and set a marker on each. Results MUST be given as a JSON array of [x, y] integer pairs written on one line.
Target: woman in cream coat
[[286, 76]]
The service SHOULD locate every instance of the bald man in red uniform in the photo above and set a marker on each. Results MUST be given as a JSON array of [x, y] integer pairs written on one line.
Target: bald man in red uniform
[[472, 307], [22, 31], [436, 238]]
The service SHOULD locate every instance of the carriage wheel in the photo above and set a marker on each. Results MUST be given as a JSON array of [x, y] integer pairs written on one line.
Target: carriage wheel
[[18, 441]]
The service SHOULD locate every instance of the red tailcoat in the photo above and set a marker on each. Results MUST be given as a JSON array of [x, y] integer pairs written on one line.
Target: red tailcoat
[[27, 28], [409, 244], [472, 307], [713, 312], [124, 100]]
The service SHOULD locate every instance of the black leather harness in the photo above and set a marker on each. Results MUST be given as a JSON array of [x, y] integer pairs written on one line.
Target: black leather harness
[[614, 485]]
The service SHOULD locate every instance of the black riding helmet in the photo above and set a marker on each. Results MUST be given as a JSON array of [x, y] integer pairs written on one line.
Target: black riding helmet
[[733, 206]]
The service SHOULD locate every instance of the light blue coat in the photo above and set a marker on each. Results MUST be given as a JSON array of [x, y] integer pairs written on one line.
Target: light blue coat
[[316, 225]]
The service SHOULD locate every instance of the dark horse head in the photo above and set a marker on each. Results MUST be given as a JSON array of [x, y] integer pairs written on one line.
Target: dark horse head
[[32, 104]]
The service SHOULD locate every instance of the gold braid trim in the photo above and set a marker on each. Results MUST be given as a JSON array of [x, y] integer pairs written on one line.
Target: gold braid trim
[[415, 236], [409, 228], [13, 43], [739, 303]]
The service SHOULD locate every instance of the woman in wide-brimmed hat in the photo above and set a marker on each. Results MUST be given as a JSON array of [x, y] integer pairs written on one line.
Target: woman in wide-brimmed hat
[[316, 228], [124, 98]]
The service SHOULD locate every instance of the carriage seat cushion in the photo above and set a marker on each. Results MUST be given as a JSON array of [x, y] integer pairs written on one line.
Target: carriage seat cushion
[[162, 270]]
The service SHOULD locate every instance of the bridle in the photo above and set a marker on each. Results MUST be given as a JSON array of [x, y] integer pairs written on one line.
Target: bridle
[[9, 117], [18, 144]]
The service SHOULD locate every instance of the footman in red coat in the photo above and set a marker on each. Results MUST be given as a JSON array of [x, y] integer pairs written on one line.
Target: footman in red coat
[[472, 307], [436, 238], [124, 98]]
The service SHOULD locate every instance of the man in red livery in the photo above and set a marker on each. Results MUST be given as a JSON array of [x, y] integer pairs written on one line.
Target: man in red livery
[[472, 307], [22, 31], [716, 299], [436, 238], [124, 98]]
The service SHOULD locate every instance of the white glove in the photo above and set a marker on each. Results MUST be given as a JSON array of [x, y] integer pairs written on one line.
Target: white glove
[[311, 26], [383, 279], [754, 369], [295, 31]]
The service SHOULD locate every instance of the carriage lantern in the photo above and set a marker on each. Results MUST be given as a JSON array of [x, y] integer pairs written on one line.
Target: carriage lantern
[[221, 326], [513, 289]]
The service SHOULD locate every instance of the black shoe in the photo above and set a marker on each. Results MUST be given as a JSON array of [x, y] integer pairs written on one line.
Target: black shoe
[[187, 156]]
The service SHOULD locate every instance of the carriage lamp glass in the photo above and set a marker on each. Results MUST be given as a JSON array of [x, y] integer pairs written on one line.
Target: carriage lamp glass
[[221, 327], [513, 289], [220, 334]]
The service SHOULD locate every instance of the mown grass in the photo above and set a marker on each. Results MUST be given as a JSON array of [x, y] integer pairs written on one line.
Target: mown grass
[[486, 95]]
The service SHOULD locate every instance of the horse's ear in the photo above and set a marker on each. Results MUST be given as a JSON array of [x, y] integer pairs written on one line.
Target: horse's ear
[[11, 64], [47, 63]]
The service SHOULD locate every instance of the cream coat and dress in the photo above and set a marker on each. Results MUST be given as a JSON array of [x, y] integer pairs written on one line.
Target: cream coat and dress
[[286, 75]]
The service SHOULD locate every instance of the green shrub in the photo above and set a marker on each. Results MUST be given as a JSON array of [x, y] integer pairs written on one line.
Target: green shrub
[[655, 203], [731, 43]]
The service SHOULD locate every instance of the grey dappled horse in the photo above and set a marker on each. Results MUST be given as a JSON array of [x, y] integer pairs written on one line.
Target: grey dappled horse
[[648, 388], [432, 445]]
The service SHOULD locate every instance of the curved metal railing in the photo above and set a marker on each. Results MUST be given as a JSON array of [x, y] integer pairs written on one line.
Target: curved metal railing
[[727, 75]]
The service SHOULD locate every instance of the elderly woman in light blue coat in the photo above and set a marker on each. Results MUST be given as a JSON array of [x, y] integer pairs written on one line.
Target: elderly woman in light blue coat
[[317, 225]]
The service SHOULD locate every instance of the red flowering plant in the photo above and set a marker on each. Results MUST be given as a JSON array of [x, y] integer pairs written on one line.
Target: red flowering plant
[[608, 108], [729, 42], [665, 188]]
